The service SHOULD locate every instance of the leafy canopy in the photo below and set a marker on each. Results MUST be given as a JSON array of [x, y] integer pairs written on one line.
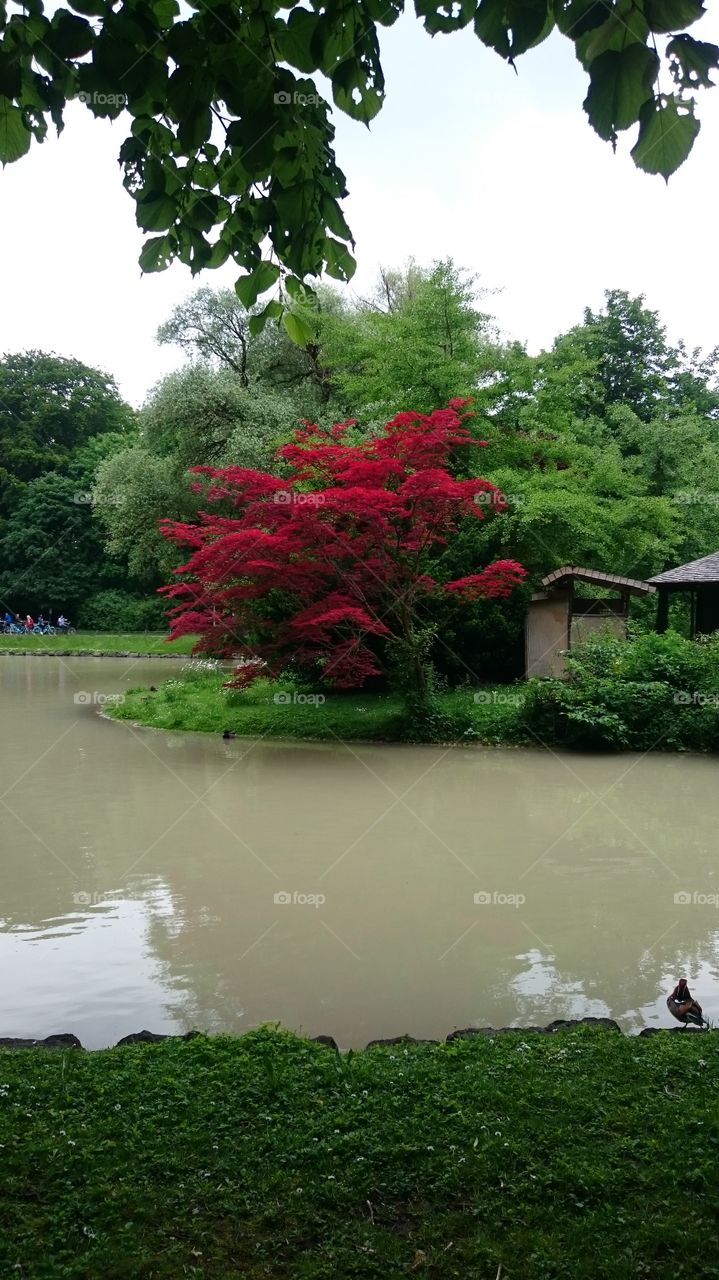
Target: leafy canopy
[[325, 568], [49, 407], [230, 150]]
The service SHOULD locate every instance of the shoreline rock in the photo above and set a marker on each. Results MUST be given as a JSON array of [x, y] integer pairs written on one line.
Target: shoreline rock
[[66, 1040]]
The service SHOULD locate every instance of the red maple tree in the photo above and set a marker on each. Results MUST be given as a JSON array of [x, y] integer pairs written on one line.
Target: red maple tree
[[326, 569]]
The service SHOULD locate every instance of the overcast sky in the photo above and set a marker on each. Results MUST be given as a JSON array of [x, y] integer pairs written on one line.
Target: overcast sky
[[466, 160]]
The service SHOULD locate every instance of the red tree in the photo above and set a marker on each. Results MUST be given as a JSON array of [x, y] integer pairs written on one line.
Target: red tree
[[310, 569]]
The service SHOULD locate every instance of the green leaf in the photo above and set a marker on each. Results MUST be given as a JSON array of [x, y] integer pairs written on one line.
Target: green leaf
[[15, 137], [667, 132], [513, 26], [165, 11], [298, 329], [339, 260], [625, 25], [11, 78], [194, 128], [491, 27], [356, 91], [295, 288], [219, 255], [442, 17], [272, 311], [576, 17], [620, 84], [69, 37], [691, 61], [248, 288], [298, 40], [672, 15], [157, 213], [156, 253]]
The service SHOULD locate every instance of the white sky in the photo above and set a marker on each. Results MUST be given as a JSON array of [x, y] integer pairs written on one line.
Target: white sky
[[467, 160]]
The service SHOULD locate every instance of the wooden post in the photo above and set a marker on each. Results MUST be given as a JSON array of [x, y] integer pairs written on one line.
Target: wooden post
[[662, 610]]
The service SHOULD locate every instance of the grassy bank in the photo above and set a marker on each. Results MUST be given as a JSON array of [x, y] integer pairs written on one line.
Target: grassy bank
[[198, 701], [96, 642], [580, 1154]]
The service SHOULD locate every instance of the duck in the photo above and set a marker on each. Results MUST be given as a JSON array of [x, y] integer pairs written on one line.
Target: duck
[[229, 734], [682, 1006]]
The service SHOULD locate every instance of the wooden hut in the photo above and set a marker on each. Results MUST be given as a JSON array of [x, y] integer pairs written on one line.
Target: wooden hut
[[558, 617], [700, 579]]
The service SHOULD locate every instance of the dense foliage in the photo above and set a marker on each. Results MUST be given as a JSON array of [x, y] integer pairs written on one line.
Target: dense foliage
[[654, 693], [605, 445], [537, 1157], [230, 150]]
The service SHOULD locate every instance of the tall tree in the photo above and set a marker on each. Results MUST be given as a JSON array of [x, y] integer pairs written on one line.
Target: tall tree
[[49, 406], [326, 568], [621, 356], [420, 338]]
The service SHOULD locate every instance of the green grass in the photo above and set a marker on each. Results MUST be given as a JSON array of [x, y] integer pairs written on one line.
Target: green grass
[[197, 701], [572, 1156], [101, 642]]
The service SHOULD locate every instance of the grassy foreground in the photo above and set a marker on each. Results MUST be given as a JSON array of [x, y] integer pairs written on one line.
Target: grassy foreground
[[101, 642], [579, 1154], [198, 701]]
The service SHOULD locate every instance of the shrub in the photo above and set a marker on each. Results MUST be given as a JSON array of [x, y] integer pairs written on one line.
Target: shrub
[[649, 693], [120, 611]]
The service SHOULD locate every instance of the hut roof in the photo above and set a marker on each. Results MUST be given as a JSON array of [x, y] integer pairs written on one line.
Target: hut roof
[[569, 572], [695, 573]]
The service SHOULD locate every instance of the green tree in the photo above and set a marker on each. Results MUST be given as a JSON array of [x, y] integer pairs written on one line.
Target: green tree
[[620, 356], [50, 406], [52, 552], [133, 490], [230, 149], [202, 415], [214, 328], [418, 340]]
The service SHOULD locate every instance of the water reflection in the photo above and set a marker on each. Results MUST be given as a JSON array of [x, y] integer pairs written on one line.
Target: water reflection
[[140, 873]]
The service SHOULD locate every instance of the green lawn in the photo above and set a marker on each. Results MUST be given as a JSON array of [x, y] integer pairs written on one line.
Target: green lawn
[[577, 1155], [96, 642], [197, 700]]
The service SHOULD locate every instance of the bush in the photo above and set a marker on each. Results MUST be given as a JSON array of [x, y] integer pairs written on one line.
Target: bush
[[120, 611], [646, 694]]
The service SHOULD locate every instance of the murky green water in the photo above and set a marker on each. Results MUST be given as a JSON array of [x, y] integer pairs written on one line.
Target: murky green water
[[143, 877]]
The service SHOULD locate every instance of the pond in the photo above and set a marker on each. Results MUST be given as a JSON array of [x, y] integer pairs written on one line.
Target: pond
[[170, 881]]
